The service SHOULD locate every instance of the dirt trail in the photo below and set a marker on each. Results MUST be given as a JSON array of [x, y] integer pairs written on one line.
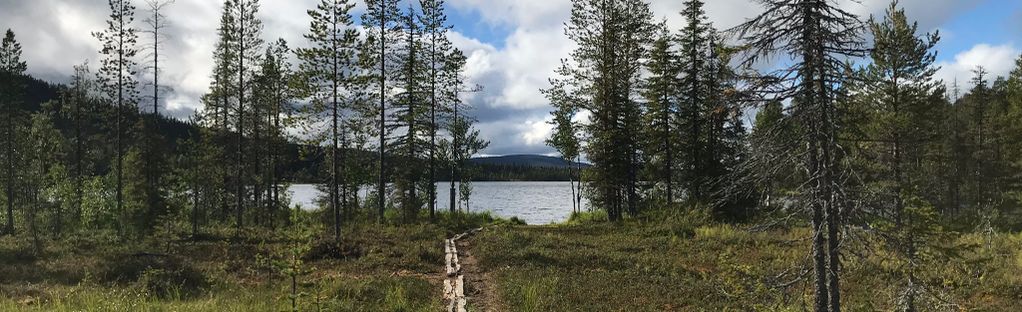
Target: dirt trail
[[478, 284]]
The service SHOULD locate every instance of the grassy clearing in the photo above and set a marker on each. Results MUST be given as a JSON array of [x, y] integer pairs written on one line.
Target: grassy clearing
[[681, 265], [375, 268]]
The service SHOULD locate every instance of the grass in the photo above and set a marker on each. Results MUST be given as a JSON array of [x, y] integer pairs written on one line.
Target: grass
[[680, 265], [667, 262], [374, 268]]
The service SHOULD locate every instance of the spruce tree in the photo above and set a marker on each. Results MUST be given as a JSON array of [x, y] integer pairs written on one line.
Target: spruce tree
[[770, 138], [725, 137], [695, 92], [818, 36], [604, 76], [660, 92], [410, 116]]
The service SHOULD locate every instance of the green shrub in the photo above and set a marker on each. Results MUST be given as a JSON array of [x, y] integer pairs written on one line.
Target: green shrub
[[588, 217], [722, 232], [163, 276]]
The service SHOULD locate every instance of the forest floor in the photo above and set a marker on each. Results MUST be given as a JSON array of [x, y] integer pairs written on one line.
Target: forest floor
[[375, 268], [696, 266], [673, 265]]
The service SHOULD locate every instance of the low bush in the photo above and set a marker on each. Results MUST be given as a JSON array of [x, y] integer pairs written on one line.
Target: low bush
[[164, 276]]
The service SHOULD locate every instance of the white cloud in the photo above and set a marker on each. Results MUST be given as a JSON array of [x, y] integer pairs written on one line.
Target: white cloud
[[929, 13], [514, 73], [56, 35], [537, 131], [528, 14], [993, 58]]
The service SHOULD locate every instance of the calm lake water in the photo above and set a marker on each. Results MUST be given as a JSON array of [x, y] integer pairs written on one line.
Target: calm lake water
[[533, 202]]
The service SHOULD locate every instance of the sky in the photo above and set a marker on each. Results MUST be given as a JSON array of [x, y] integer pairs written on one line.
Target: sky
[[513, 46]]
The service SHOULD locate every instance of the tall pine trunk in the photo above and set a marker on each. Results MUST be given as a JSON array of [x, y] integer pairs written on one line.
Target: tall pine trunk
[[9, 149], [333, 153], [240, 179], [381, 186]]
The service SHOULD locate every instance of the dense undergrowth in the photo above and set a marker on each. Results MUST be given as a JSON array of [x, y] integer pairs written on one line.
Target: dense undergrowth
[[375, 267]]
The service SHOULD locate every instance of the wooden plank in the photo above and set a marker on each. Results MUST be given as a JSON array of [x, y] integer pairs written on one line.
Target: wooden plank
[[459, 287], [449, 289], [454, 285], [452, 268]]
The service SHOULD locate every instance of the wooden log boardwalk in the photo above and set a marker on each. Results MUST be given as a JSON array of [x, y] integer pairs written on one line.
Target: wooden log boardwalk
[[454, 283]]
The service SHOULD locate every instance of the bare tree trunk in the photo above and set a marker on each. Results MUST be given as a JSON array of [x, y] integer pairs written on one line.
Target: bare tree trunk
[[578, 171], [571, 181], [455, 156]]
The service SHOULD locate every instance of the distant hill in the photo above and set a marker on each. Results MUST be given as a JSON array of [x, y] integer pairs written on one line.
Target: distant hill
[[535, 161]]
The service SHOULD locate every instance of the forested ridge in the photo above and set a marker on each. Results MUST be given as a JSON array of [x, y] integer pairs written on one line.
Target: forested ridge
[[300, 163], [758, 185]]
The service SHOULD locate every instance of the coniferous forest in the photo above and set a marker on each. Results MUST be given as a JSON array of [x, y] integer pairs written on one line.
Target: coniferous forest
[[807, 159]]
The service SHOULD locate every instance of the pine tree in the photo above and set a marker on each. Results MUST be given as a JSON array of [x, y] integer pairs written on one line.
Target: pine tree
[[117, 78], [218, 107], [155, 28], [895, 93], [12, 69], [330, 65], [819, 36], [273, 95], [245, 32], [78, 95], [436, 47], [382, 19], [465, 141]]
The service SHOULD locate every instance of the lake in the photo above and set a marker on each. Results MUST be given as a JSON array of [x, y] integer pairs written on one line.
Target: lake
[[533, 202]]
